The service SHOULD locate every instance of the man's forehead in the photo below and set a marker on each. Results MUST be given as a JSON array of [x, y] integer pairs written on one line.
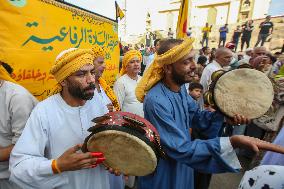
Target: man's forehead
[[86, 67], [190, 54], [134, 58], [99, 59], [260, 51]]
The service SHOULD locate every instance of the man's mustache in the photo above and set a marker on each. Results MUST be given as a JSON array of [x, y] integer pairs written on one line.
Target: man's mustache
[[91, 86]]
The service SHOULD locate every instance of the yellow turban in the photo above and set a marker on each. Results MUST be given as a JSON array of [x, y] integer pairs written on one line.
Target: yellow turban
[[4, 75], [155, 71], [68, 62], [98, 51], [127, 58]]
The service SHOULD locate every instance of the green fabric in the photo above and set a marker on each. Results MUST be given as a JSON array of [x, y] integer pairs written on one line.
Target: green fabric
[[280, 73]]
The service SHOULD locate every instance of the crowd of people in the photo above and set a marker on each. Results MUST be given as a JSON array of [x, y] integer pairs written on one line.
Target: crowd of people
[[40, 142], [244, 32], [208, 61]]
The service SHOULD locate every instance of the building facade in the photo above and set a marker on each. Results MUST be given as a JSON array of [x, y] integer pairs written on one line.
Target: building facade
[[217, 12]]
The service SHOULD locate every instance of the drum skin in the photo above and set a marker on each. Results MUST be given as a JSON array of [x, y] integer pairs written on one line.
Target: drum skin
[[124, 152], [130, 144], [243, 91]]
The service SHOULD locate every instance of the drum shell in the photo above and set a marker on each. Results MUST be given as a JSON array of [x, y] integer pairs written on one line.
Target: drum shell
[[120, 125]]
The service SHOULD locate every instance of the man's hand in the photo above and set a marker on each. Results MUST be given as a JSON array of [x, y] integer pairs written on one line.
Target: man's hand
[[237, 120], [116, 173], [112, 171], [209, 108], [255, 144], [72, 159], [5, 152]]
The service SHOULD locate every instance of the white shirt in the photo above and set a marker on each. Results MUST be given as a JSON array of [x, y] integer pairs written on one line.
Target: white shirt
[[52, 128], [102, 96], [124, 89], [16, 105], [205, 79], [149, 61]]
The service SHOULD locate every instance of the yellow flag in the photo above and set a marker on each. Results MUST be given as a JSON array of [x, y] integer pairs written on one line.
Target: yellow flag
[[4, 75], [119, 13], [182, 19]]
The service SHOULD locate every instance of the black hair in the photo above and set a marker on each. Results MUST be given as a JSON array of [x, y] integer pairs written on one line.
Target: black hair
[[166, 45], [202, 60], [272, 58], [7, 67], [156, 41], [195, 85], [204, 49]]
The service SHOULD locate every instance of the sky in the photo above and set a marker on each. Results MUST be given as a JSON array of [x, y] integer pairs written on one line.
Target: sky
[[136, 12], [102, 7], [276, 7]]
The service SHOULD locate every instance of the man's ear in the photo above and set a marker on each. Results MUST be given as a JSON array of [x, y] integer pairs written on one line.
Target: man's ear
[[167, 69], [63, 83]]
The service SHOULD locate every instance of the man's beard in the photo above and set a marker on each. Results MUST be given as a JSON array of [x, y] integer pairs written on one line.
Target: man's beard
[[77, 92], [178, 78]]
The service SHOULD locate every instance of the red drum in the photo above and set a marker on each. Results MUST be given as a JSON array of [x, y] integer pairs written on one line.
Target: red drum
[[129, 142]]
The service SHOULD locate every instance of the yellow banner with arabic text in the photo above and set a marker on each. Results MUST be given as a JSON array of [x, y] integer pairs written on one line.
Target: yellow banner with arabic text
[[34, 32]]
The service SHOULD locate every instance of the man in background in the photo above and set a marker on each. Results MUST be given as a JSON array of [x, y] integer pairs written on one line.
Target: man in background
[[16, 105]]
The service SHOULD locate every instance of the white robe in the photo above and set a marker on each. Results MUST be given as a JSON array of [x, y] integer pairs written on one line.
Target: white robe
[[115, 182], [205, 79], [52, 128], [124, 89]]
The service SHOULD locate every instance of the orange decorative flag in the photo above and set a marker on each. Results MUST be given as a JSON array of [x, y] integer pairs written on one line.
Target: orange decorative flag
[[182, 20]]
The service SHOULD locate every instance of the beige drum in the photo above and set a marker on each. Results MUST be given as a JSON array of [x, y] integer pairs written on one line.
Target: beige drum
[[242, 91]]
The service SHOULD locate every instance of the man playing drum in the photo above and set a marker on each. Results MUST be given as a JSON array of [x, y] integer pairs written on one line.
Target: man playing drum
[[48, 153], [173, 112]]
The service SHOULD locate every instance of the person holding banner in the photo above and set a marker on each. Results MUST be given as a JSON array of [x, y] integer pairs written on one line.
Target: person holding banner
[[103, 90], [48, 153], [16, 105]]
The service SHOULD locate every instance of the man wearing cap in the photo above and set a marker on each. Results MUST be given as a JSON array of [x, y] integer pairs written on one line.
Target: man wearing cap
[[124, 87], [16, 105], [48, 153], [173, 112], [105, 94], [103, 91]]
